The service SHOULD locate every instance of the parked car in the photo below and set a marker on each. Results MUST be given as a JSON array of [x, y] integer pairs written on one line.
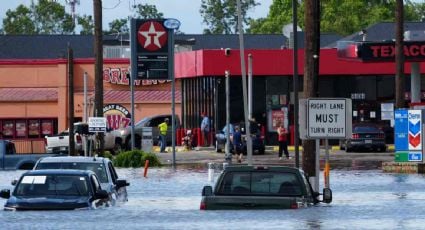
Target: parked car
[[153, 122], [261, 187], [102, 167], [220, 138], [10, 160], [257, 141], [55, 190], [365, 136]]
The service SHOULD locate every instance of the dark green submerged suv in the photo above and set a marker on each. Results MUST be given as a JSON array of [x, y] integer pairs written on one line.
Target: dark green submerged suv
[[261, 187]]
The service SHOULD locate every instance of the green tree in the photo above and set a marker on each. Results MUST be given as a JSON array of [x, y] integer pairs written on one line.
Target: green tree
[[339, 16], [47, 17], [280, 14], [118, 26], [221, 16], [87, 24], [146, 11]]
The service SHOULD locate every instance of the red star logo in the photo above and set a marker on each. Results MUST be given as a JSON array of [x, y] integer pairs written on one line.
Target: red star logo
[[152, 36]]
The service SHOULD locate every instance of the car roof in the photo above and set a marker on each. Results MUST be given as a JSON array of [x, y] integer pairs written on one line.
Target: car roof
[[77, 159], [246, 168], [59, 172]]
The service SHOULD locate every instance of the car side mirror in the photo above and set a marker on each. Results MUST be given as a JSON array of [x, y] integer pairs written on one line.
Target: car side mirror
[[14, 182], [207, 191], [122, 183], [327, 195], [5, 193], [102, 194]]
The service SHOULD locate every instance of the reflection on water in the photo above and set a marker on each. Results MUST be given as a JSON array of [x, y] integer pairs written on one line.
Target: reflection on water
[[169, 199]]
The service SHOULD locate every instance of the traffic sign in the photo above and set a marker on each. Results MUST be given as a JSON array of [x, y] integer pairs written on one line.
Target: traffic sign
[[97, 124], [327, 118]]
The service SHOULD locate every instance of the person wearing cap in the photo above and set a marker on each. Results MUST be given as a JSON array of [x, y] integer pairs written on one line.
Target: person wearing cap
[[205, 128], [163, 127]]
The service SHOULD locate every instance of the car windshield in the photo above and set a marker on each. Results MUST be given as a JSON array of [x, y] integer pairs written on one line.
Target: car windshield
[[97, 167], [64, 185], [261, 183], [142, 121]]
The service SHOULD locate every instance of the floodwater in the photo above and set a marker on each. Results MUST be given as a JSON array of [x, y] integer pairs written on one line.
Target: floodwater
[[168, 199]]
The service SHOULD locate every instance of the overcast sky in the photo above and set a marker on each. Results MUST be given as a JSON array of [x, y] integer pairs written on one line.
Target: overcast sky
[[186, 11]]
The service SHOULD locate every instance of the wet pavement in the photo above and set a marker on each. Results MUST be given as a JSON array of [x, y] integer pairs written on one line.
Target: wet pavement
[[338, 158]]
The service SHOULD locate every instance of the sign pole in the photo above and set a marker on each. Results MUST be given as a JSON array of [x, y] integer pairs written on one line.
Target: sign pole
[[327, 167], [317, 166], [133, 74]]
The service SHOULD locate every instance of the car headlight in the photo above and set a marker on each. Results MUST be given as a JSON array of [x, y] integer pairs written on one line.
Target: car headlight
[[122, 132], [9, 209]]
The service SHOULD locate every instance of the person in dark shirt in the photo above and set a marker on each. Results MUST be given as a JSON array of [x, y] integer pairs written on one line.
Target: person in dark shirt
[[237, 144]]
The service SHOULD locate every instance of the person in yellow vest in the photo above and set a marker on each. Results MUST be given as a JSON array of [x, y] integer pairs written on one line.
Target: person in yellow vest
[[163, 127]]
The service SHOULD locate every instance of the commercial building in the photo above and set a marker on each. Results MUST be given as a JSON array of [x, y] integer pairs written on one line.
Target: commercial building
[[34, 81]]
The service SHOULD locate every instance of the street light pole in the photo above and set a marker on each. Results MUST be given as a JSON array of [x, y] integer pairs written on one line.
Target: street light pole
[[295, 81]]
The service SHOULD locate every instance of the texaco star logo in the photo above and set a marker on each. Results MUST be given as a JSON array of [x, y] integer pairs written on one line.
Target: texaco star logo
[[152, 36]]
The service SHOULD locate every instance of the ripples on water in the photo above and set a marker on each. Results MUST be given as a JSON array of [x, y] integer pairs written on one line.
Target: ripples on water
[[169, 199]]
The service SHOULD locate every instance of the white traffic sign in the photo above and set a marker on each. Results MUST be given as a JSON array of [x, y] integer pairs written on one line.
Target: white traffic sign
[[328, 118], [97, 124]]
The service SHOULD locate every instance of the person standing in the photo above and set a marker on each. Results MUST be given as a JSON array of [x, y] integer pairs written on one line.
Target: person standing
[[205, 128], [163, 127], [282, 138], [237, 144]]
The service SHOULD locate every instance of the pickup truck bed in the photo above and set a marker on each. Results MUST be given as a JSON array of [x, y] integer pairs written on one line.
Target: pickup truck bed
[[11, 161]]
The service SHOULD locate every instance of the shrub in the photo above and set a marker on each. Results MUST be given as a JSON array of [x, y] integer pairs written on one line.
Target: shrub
[[153, 159], [107, 154], [135, 159]]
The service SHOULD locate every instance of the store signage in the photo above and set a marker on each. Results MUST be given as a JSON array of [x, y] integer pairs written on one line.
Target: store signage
[[415, 129], [401, 129], [150, 49], [380, 51], [328, 118], [117, 116], [118, 76], [414, 156]]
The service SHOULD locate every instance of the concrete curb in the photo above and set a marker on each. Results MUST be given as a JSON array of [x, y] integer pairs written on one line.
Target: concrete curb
[[274, 148]]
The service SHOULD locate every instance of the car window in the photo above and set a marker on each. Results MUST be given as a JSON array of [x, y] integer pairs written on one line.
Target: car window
[[261, 183], [112, 172], [156, 121], [366, 129], [95, 183], [65, 185], [97, 167]]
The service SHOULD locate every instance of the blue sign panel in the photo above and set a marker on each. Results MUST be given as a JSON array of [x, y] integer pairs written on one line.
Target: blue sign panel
[[401, 130], [415, 156]]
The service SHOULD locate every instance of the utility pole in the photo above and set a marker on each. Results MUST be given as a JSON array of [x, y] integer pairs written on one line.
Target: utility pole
[[295, 81], [399, 56], [71, 149], [98, 67], [311, 67]]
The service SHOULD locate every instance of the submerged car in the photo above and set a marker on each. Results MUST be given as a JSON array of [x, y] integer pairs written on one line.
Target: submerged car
[[365, 136], [56, 190], [101, 166], [261, 187]]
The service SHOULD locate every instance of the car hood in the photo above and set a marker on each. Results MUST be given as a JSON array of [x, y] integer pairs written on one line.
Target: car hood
[[48, 203]]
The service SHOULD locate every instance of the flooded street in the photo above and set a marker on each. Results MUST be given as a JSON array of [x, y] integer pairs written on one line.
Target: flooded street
[[168, 199]]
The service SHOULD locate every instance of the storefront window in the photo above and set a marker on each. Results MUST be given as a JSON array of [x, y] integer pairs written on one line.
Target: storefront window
[[8, 127], [21, 129], [33, 128], [46, 127]]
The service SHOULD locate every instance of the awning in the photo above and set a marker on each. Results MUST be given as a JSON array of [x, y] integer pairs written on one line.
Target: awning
[[28, 94], [150, 96]]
